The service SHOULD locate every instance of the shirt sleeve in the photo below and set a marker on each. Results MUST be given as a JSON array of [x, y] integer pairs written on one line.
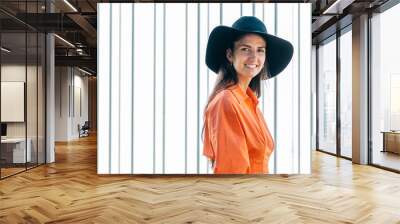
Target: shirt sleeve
[[207, 147], [227, 138]]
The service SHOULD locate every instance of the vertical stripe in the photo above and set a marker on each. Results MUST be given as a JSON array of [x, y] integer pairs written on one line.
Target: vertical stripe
[[208, 70], [241, 9], [37, 95], [46, 37], [263, 86], [220, 12], [275, 95], [26, 89], [293, 92], [97, 95], [119, 92], [154, 87], [109, 92], [298, 88], [254, 8], [0, 87], [186, 83], [338, 123], [198, 88], [311, 103], [164, 41], [369, 84], [317, 96], [133, 88]]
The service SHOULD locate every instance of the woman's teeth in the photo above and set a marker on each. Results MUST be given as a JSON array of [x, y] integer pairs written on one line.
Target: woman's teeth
[[251, 66]]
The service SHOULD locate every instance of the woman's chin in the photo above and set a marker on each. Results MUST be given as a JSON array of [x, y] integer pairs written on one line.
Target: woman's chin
[[248, 75]]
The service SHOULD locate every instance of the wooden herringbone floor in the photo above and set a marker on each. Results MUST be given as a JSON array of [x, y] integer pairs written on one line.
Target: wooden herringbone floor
[[70, 191]]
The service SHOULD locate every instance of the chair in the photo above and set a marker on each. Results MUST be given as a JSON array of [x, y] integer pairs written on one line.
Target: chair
[[84, 130]]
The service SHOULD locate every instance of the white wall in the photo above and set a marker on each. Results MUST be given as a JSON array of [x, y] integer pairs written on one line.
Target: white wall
[[69, 82], [153, 85]]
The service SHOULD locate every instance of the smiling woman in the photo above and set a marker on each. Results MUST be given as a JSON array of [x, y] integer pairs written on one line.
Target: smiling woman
[[236, 136]]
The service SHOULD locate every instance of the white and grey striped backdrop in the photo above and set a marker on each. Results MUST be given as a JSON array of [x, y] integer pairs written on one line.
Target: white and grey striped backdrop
[[153, 84]]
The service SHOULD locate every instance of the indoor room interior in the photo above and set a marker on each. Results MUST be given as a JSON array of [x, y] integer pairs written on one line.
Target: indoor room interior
[[339, 129]]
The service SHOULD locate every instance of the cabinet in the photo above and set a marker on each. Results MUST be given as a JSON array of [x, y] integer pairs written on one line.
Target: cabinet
[[391, 141]]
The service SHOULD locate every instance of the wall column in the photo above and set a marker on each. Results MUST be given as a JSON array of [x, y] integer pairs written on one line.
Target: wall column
[[360, 90]]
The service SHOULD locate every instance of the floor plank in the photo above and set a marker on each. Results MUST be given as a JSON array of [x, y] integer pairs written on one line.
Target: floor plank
[[70, 191]]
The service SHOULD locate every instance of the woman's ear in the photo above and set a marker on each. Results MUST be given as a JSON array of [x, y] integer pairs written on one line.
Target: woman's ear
[[229, 55]]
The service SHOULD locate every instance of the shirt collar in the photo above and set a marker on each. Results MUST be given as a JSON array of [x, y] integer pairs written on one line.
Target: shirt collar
[[243, 96]]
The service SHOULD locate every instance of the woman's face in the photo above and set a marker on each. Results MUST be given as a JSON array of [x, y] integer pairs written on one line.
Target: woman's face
[[248, 55]]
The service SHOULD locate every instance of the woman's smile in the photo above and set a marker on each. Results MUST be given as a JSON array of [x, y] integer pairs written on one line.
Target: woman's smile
[[251, 66]]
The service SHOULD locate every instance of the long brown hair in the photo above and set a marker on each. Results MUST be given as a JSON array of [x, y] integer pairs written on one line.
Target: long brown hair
[[227, 77]]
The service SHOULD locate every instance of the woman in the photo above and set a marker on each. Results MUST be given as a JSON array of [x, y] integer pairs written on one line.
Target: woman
[[236, 137]]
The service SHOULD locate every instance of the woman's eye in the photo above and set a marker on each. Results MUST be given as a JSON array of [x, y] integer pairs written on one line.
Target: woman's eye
[[261, 50], [245, 49]]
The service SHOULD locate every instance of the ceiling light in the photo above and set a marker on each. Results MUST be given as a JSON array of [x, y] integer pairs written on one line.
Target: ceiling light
[[70, 5], [84, 71], [64, 40], [338, 6], [5, 49]]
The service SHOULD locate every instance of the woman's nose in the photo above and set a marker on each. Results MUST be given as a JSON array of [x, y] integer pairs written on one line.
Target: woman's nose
[[253, 54]]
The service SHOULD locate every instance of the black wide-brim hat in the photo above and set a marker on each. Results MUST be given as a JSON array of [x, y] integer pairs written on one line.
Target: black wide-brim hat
[[279, 52]]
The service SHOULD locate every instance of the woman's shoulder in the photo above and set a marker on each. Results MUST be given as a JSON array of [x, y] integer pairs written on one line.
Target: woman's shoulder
[[224, 99]]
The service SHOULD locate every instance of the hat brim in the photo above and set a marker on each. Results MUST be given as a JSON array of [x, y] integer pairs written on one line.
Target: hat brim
[[279, 51]]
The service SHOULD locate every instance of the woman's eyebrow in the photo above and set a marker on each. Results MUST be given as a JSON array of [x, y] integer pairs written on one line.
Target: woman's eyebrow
[[246, 45]]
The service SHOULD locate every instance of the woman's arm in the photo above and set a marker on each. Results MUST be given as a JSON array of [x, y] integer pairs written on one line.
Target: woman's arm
[[228, 140]]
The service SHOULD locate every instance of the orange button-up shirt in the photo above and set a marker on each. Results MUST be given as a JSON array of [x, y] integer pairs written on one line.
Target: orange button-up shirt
[[236, 135]]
